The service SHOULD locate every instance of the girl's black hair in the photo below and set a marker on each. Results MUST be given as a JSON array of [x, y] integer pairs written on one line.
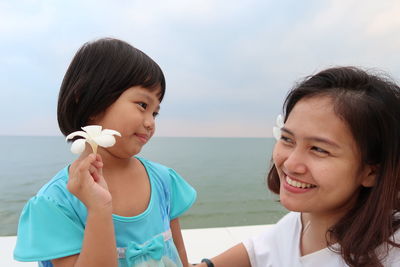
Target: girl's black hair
[[98, 74]]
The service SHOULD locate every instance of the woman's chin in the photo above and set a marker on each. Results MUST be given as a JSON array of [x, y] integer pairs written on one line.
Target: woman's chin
[[290, 204]]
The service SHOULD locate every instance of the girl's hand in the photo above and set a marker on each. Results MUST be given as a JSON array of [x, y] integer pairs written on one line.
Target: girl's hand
[[87, 183]]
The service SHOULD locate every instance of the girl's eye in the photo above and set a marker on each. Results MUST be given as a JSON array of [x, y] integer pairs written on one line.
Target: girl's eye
[[320, 150], [142, 105], [155, 114]]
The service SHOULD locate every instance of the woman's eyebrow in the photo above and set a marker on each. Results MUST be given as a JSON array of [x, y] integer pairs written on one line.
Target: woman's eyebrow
[[323, 140]]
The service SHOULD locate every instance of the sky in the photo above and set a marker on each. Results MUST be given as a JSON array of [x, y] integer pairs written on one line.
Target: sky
[[228, 63]]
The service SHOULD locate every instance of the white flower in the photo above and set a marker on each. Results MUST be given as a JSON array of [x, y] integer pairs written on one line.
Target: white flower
[[276, 130], [94, 136]]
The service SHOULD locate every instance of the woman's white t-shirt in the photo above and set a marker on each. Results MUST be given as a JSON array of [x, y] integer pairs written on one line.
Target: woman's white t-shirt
[[279, 246]]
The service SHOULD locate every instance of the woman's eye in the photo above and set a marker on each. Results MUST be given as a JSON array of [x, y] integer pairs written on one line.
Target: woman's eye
[[320, 150], [142, 105], [286, 139]]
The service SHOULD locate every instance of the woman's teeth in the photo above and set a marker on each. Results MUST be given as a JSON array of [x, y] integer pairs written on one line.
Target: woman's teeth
[[298, 184]]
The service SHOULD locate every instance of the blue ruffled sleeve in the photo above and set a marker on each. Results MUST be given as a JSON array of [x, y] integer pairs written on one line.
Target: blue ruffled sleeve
[[182, 195], [47, 230]]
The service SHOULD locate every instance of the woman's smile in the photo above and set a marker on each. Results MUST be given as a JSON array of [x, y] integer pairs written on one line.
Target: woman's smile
[[295, 183]]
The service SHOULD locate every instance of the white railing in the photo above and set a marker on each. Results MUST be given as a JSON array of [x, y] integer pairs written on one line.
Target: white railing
[[199, 243]]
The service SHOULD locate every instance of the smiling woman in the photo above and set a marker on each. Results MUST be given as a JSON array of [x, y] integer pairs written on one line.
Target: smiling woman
[[337, 169], [341, 135], [317, 161]]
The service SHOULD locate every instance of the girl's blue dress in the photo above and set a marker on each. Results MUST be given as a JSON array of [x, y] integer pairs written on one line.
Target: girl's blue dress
[[52, 223]]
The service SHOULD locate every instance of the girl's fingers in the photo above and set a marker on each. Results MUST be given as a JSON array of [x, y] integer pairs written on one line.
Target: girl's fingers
[[98, 164], [89, 169], [92, 169], [98, 158], [84, 166], [95, 173]]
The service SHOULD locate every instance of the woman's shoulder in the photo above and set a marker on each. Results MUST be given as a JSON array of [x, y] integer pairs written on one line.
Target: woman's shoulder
[[288, 225], [392, 253], [290, 219], [273, 246], [285, 227]]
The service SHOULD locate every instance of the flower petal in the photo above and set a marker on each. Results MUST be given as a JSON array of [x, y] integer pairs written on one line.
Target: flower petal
[[78, 146], [110, 132], [77, 133], [277, 133], [104, 140], [279, 121], [92, 130]]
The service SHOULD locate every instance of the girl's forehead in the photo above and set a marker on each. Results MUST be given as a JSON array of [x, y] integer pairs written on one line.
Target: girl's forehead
[[139, 90], [142, 90]]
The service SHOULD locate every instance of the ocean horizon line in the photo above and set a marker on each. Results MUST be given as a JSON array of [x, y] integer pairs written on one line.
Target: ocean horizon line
[[157, 136]]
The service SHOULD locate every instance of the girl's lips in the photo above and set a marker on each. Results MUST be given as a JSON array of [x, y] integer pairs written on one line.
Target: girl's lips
[[142, 137]]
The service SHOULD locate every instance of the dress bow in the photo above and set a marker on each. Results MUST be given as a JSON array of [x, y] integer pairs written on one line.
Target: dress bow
[[154, 248]]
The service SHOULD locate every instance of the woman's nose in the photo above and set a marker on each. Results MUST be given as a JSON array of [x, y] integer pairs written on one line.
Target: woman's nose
[[295, 162]]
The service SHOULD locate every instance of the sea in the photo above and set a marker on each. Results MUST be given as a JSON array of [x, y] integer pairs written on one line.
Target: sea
[[229, 175]]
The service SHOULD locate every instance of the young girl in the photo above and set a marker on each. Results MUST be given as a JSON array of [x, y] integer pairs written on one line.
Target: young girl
[[337, 169], [110, 208]]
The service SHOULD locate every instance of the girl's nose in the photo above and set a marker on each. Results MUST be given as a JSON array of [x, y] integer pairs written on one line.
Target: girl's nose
[[149, 122], [295, 162]]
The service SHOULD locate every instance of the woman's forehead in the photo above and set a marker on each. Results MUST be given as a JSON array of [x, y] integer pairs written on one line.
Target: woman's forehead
[[315, 118]]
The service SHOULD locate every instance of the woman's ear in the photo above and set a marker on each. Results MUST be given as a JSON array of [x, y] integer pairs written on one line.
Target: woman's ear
[[369, 179]]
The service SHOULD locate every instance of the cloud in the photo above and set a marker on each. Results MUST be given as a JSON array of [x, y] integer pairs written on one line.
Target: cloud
[[29, 17], [385, 23], [228, 64]]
